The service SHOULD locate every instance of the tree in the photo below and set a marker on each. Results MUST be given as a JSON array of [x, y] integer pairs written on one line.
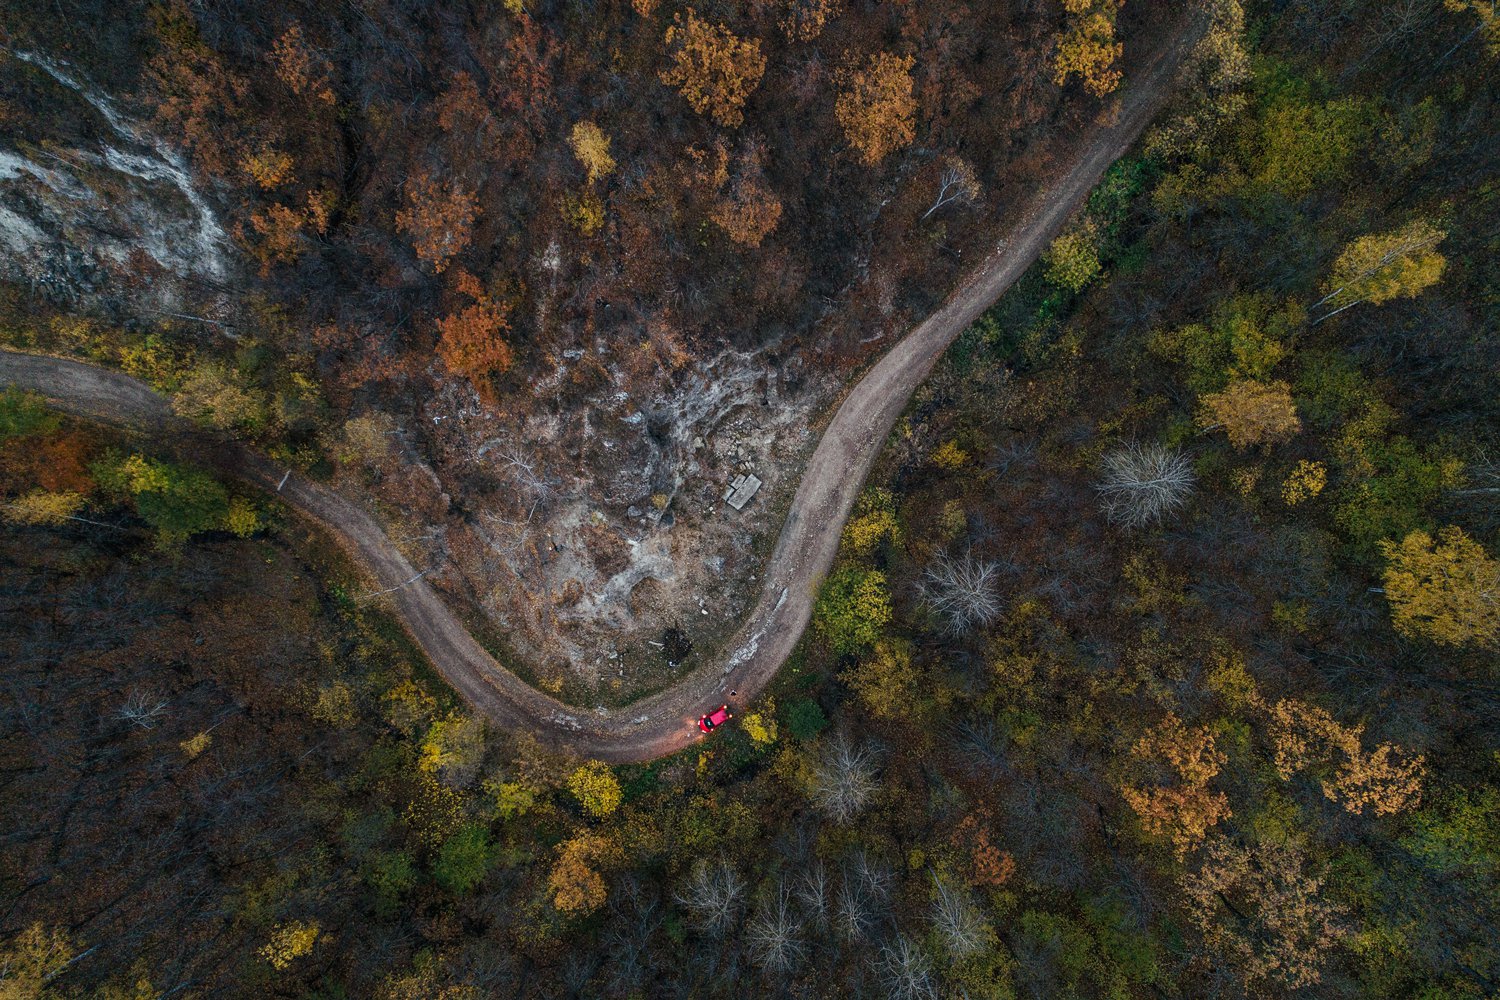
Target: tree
[[439, 217], [463, 859], [175, 500], [714, 69], [956, 183], [774, 934], [289, 942], [453, 749], [853, 607], [1143, 483], [713, 893], [596, 788], [874, 521], [905, 971], [31, 959], [219, 397], [748, 211], [577, 888], [470, 341], [1305, 737], [1073, 258], [1260, 908], [40, 507], [24, 414], [1252, 413], [886, 682], [301, 68], [1088, 48], [958, 920], [1385, 266], [1182, 810], [591, 146], [962, 591], [1446, 590], [875, 106], [844, 779], [1488, 13], [803, 20]]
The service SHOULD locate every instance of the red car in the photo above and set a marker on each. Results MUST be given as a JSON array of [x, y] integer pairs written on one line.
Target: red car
[[714, 720]]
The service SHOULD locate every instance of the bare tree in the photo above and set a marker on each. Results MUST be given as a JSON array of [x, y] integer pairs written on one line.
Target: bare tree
[[957, 183], [962, 590], [775, 934], [141, 709], [864, 892], [844, 779], [958, 920], [713, 892], [1143, 483], [905, 971], [812, 892]]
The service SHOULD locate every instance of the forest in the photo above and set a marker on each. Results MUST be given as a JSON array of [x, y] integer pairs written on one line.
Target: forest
[[1161, 655]]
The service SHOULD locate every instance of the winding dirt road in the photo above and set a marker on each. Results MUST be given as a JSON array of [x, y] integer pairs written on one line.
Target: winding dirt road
[[664, 722]]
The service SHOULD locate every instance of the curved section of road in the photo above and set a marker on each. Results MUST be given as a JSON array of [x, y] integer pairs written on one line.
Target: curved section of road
[[664, 722]]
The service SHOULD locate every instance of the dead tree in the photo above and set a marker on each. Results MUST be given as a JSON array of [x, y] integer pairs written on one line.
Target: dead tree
[[962, 591], [905, 971], [775, 934], [1143, 483], [844, 779], [956, 183], [713, 893]]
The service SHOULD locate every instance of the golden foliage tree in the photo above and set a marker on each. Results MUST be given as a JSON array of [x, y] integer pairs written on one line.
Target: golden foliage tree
[[1182, 810], [289, 942], [469, 340], [1445, 589], [577, 887], [747, 210], [803, 20], [886, 681], [301, 68], [41, 507], [591, 146], [1385, 266], [1088, 48], [1252, 412], [439, 217], [712, 67], [875, 106]]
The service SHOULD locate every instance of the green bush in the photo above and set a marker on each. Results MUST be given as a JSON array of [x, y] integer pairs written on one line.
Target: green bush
[[463, 859], [804, 718]]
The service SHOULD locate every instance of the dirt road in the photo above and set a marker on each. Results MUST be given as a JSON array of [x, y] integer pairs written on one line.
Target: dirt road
[[664, 722]]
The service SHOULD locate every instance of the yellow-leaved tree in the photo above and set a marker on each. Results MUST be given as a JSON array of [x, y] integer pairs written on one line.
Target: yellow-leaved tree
[[1385, 266], [1445, 589], [1087, 47], [596, 788], [591, 146], [1172, 800]]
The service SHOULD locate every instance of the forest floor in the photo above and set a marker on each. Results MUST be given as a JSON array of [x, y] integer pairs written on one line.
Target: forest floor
[[664, 722]]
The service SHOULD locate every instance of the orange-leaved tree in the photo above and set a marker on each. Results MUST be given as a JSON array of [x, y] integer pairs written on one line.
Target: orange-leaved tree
[[876, 106], [470, 340], [439, 217], [712, 67]]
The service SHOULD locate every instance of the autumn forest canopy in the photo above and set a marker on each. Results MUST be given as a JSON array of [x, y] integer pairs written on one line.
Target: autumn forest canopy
[[1160, 657]]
